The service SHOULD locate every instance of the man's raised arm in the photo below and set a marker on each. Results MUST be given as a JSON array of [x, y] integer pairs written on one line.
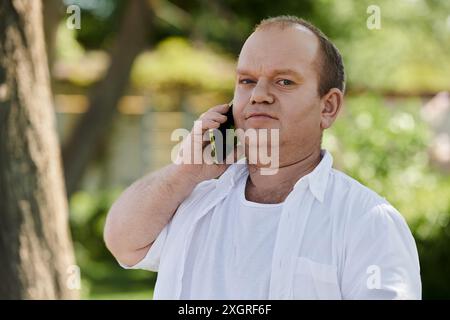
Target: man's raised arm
[[140, 213]]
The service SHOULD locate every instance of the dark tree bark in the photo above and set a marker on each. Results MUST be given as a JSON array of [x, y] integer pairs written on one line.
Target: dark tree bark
[[95, 123], [35, 246]]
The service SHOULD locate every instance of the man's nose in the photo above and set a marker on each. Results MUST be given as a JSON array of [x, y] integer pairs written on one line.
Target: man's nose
[[261, 93]]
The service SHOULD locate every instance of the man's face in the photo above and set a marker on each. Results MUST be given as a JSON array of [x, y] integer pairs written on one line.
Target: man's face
[[277, 74]]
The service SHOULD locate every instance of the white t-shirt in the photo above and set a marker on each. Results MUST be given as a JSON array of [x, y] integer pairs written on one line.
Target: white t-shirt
[[234, 261]]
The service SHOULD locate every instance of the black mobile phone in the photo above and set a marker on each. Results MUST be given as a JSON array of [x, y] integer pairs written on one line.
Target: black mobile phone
[[222, 140]]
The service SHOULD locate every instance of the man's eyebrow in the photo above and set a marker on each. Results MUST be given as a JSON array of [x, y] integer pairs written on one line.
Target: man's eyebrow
[[274, 72]]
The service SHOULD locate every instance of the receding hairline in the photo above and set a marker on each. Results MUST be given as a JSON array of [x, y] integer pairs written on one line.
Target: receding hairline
[[282, 25], [286, 23]]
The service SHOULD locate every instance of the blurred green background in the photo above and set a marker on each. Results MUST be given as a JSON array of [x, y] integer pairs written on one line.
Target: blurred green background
[[392, 135]]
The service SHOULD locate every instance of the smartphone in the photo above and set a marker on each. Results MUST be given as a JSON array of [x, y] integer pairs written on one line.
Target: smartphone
[[223, 141]]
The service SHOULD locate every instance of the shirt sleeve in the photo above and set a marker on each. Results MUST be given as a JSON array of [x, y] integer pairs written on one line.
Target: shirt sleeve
[[381, 260], [150, 262]]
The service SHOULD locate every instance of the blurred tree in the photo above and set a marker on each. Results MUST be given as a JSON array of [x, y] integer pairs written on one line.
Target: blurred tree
[[93, 126], [53, 11], [35, 244]]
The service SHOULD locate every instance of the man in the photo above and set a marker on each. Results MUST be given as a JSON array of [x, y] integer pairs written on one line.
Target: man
[[306, 232]]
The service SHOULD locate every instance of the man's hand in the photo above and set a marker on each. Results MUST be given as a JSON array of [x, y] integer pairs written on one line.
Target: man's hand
[[194, 142]]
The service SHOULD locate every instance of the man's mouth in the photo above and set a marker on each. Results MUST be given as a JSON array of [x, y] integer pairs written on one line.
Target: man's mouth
[[260, 116]]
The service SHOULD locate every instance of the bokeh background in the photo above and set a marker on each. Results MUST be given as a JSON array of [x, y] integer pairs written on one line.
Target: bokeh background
[[136, 70]]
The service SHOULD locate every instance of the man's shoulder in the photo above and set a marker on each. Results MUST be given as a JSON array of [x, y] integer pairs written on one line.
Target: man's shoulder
[[362, 208], [342, 181], [357, 198]]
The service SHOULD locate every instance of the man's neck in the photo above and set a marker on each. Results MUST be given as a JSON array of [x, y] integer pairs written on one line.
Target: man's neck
[[275, 188]]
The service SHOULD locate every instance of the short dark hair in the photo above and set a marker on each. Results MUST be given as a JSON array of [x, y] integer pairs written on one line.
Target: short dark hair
[[331, 67]]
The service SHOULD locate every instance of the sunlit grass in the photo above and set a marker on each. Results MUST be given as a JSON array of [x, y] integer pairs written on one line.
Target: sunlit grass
[[133, 295]]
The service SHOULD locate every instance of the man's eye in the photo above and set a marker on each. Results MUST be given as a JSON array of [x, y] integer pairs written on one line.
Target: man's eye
[[285, 82], [245, 81]]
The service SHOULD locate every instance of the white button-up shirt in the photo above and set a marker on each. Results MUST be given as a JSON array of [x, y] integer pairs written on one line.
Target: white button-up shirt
[[336, 239]]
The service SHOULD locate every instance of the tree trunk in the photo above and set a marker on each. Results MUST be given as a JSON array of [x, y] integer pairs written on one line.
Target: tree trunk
[[95, 123], [36, 252]]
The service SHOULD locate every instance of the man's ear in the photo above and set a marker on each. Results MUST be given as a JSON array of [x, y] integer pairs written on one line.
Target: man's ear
[[330, 104]]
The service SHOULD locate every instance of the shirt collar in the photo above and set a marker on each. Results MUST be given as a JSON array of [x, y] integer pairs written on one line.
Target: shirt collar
[[316, 180]]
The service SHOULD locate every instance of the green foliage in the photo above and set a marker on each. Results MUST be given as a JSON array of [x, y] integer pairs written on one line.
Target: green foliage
[[176, 63], [102, 277], [100, 21], [409, 53], [381, 145]]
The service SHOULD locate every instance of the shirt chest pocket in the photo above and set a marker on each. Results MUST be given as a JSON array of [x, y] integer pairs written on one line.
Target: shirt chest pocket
[[313, 280]]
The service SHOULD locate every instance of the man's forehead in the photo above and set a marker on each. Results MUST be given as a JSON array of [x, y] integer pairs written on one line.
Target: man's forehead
[[276, 48]]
